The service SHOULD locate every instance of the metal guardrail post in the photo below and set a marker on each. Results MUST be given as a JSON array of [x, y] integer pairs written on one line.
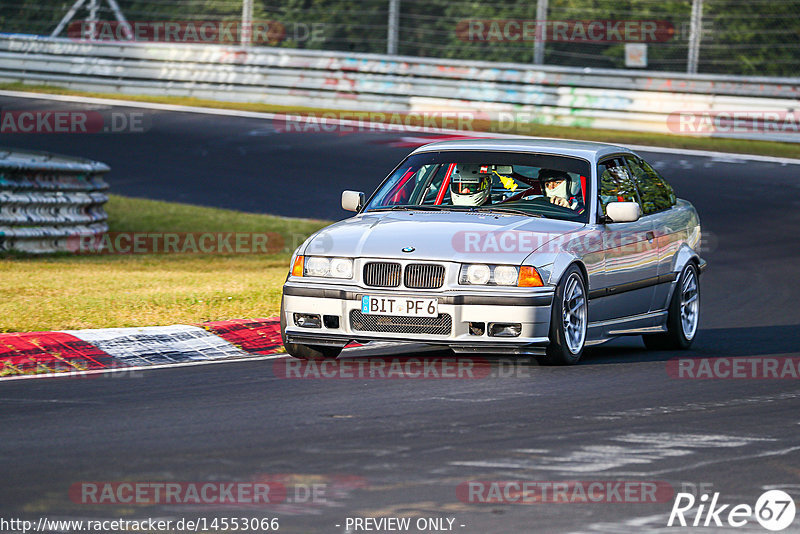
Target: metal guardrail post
[[393, 27], [541, 32], [695, 32], [247, 22]]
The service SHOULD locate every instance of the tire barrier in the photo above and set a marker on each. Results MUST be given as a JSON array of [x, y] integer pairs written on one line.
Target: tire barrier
[[564, 96], [46, 199]]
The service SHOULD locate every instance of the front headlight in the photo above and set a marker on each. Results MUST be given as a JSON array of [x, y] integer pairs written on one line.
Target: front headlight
[[499, 275], [342, 268], [478, 274], [505, 275], [323, 267]]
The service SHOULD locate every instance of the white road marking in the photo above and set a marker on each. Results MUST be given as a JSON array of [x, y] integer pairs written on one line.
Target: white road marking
[[728, 460], [131, 369], [692, 406], [635, 449], [665, 440]]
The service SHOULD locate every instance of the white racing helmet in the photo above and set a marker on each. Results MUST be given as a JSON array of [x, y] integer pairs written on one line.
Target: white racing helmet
[[469, 187]]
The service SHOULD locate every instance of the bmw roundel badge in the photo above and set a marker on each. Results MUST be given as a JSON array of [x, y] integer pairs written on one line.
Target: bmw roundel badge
[[409, 249]]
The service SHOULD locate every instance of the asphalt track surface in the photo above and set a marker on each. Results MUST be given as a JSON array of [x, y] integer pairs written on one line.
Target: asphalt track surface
[[618, 416]]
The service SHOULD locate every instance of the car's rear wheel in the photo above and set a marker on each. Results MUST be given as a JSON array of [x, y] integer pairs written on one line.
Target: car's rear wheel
[[306, 352], [568, 321], [684, 314]]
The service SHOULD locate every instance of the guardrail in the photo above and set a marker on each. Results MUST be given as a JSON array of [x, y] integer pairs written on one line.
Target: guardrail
[[628, 100], [47, 201]]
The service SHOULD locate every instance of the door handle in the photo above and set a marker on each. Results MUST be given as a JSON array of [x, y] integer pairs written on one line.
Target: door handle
[[650, 236]]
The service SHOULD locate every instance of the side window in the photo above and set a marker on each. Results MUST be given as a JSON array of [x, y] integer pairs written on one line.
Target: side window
[[656, 193], [616, 183]]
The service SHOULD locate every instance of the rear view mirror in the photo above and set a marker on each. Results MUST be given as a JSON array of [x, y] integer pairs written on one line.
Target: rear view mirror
[[620, 212], [352, 200]]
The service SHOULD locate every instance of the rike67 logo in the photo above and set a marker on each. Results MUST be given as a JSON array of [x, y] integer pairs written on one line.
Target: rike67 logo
[[774, 510]]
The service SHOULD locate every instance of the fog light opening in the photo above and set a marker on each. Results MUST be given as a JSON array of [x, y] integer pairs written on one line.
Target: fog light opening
[[477, 329], [330, 321], [505, 329], [307, 320]]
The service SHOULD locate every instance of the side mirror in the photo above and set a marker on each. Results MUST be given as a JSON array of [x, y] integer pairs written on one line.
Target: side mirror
[[621, 212], [352, 200]]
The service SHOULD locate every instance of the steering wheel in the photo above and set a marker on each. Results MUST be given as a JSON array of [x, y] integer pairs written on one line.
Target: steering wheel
[[523, 194]]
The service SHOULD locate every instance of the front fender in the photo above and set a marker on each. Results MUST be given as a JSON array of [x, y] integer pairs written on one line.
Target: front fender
[[552, 265], [583, 247]]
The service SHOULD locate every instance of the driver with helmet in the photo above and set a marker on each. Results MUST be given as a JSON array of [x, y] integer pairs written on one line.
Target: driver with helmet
[[468, 187]]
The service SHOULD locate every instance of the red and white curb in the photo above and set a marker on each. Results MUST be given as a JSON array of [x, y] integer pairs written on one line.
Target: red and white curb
[[80, 353], [42, 354]]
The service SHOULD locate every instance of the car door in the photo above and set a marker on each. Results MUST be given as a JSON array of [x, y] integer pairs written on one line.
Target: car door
[[630, 250], [669, 224]]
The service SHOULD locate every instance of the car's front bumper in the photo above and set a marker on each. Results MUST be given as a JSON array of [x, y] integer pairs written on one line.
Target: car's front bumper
[[531, 309]]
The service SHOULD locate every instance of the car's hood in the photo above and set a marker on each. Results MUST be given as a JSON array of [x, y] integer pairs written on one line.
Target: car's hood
[[444, 236]]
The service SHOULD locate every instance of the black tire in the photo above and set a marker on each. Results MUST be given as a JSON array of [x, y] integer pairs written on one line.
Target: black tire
[[306, 352], [558, 352], [676, 338]]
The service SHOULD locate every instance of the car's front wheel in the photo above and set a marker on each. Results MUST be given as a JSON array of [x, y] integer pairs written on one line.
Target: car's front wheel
[[568, 321], [306, 352], [683, 316]]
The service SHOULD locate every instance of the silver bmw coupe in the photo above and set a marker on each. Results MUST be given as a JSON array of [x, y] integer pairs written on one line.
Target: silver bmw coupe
[[532, 247]]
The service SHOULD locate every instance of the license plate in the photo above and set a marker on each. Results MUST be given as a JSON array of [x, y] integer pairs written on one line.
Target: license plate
[[371, 305]]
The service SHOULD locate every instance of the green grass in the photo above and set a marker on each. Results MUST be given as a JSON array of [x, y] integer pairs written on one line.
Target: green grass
[[103, 291], [139, 215], [739, 146]]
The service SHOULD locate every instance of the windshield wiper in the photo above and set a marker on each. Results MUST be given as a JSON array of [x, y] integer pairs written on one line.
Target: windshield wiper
[[509, 210], [420, 207]]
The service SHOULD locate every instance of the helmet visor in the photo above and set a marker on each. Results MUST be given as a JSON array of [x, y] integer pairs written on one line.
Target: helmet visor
[[468, 185]]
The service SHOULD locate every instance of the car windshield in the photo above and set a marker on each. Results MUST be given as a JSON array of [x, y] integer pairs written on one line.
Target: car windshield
[[529, 184]]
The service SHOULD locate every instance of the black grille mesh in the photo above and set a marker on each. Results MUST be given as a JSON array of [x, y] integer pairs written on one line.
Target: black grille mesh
[[440, 326]]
